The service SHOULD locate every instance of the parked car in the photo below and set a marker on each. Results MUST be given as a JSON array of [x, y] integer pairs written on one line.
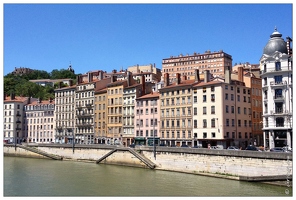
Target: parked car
[[251, 148], [277, 149], [132, 145], [232, 148], [162, 145]]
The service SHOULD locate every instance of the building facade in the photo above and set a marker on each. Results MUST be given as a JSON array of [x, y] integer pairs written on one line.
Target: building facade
[[65, 114], [276, 73], [215, 62], [40, 120], [14, 121]]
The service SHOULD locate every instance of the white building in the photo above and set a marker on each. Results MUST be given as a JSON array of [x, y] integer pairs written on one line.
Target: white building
[[14, 122], [276, 73], [40, 121]]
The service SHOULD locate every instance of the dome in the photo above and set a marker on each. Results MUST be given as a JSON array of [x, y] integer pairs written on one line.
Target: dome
[[275, 43]]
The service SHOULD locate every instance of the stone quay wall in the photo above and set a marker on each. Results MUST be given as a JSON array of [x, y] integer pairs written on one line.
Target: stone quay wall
[[230, 163]]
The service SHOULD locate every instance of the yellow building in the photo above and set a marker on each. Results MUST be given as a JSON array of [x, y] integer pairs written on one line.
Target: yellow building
[[101, 116]]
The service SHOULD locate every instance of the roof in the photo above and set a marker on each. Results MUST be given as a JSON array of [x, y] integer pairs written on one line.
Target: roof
[[150, 95], [16, 99], [275, 43], [182, 83], [43, 102]]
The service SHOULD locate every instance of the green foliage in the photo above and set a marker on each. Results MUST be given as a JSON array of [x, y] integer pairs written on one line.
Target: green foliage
[[21, 86]]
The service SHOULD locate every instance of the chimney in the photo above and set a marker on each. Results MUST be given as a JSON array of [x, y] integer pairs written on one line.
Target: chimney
[[100, 75], [70, 82], [178, 78], [240, 74], [129, 77], [78, 79], [12, 95], [184, 78], [227, 75], [39, 100], [197, 78], [29, 100], [143, 84], [166, 80], [50, 99], [206, 76], [60, 84], [90, 77]]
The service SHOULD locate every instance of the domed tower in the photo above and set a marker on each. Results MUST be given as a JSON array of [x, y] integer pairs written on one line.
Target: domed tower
[[71, 69], [276, 74]]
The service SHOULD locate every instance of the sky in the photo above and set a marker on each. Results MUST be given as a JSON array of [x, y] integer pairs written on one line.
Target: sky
[[105, 36]]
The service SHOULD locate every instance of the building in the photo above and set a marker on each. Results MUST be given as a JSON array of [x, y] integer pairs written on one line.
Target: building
[[176, 111], [254, 83], [152, 74], [22, 70], [40, 121], [51, 82], [247, 67], [85, 102], [276, 73], [101, 116], [221, 112], [215, 62], [147, 119], [65, 113], [14, 121]]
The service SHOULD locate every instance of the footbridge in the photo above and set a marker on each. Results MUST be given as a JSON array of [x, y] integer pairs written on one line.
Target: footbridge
[[40, 152]]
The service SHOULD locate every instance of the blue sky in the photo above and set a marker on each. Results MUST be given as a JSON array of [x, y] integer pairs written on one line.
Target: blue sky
[[115, 36]]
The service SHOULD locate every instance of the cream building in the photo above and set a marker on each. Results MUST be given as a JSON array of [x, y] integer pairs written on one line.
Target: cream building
[[40, 121], [14, 121], [65, 114]]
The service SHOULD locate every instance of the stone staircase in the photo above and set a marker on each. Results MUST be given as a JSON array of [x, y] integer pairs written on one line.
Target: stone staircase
[[145, 160], [40, 152]]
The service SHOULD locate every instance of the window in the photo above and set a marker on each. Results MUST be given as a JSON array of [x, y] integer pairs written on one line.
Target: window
[[232, 122], [212, 88], [213, 123], [212, 109], [226, 96], [204, 123], [195, 123], [238, 110], [238, 97], [204, 89], [204, 135], [239, 123], [232, 109], [204, 110], [226, 108], [278, 79], [232, 97], [227, 122], [277, 66], [195, 111], [212, 97], [204, 98], [195, 99], [280, 122], [213, 134]]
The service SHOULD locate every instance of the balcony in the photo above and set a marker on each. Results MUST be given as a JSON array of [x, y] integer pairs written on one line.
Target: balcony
[[89, 105], [84, 124], [18, 128], [84, 115], [18, 114], [279, 84], [18, 122], [278, 98]]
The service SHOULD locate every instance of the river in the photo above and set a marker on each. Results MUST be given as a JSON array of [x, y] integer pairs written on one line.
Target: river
[[50, 178]]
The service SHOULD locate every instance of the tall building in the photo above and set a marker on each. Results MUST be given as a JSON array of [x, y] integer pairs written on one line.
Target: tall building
[[65, 113], [85, 102], [254, 83], [221, 112], [147, 119], [215, 62], [40, 121], [176, 111], [14, 125], [101, 116], [276, 73]]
